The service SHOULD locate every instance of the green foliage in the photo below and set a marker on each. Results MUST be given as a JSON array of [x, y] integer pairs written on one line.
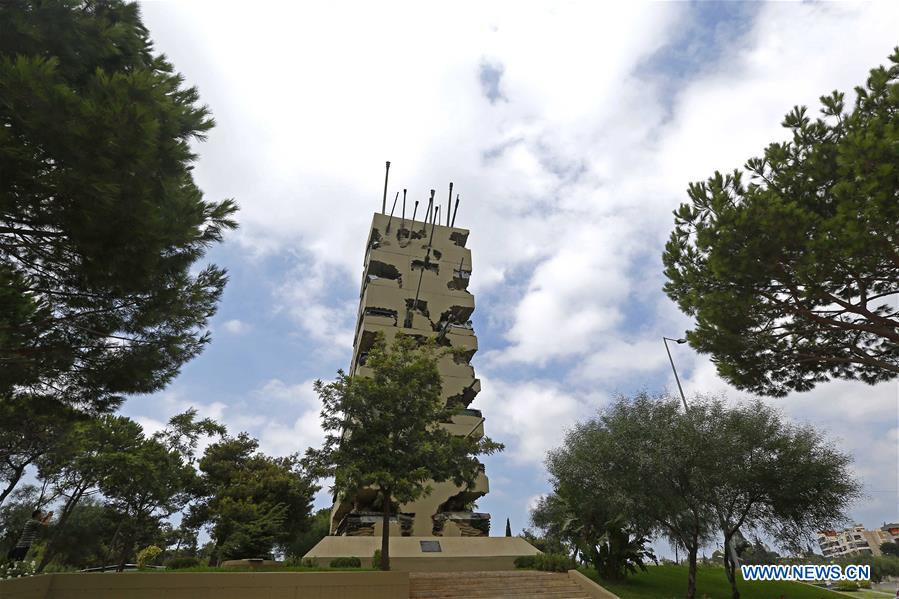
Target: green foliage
[[549, 562], [644, 466], [382, 430], [846, 585], [664, 581], [621, 475], [178, 563], [619, 553], [526, 561], [84, 540], [33, 427], [758, 553], [346, 562], [14, 513], [147, 555], [296, 561], [251, 501], [543, 540], [758, 470], [10, 570], [789, 277], [376, 559], [890, 548], [882, 566], [319, 528], [101, 223], [141, 479], [554, 562]]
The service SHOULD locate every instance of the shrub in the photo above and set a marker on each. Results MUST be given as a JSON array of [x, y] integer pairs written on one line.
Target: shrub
[[346, 562], [549, 562], [56, 567], [17, 569], [554, 562], [376, 559], [295, 561], [176, 563], [146, 555], [846, 585]]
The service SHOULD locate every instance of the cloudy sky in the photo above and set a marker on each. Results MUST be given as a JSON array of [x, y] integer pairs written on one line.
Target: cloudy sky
[[571, 131]]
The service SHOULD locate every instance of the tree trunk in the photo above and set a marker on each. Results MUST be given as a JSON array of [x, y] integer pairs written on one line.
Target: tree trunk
[[215, 556], [126, 551], [730, 568], [692, 550], [13, 481], [50, 551], [597, 561], [115, 536], [385, 533]]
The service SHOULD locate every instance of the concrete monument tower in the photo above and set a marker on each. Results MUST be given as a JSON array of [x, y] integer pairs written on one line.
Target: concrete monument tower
[[415, 282]]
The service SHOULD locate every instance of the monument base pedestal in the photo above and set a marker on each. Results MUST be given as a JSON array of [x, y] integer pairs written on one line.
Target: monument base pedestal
[[429, 554]]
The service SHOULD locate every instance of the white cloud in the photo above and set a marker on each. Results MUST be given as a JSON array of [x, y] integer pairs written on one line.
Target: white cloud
[[620, 358], [297, 423], [568, 185], [151, 426], [236, 327], [532, 417], [308, 298]]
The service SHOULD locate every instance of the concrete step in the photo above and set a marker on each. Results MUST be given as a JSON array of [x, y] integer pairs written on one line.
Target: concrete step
[[560, 585], [498, 594]]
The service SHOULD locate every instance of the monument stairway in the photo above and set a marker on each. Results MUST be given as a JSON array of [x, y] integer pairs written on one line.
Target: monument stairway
[[517, 584]]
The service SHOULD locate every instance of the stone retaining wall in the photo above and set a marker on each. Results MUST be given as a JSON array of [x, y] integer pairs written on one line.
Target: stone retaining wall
[[210, 585]]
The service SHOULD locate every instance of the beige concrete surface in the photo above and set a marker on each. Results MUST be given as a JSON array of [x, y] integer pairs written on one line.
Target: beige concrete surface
[[520, 584], [457, 553], [210, 585], [591, 588], [395, 272]]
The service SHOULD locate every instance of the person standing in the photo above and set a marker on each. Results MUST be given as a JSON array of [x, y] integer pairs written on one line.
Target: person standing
[[29, 534]]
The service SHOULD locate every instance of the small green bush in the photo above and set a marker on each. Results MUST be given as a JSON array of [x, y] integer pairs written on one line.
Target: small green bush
[[346, 562], [846, 585], [147, 555], [376, 559], [554, 562], [176, 563], [549, 562], [295, 561]]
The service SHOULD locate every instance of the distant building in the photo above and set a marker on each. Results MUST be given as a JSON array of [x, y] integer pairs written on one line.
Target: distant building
[[856, 540]]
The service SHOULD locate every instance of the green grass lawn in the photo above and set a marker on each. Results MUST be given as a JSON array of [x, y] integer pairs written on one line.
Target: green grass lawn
[[670, 582]]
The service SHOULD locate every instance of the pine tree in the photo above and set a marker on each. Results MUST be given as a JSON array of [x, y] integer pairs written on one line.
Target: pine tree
[[792, 278], [101, 223]]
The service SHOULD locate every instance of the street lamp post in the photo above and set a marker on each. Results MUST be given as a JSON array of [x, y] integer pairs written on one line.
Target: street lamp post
[[732, 546], [665, 340]]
